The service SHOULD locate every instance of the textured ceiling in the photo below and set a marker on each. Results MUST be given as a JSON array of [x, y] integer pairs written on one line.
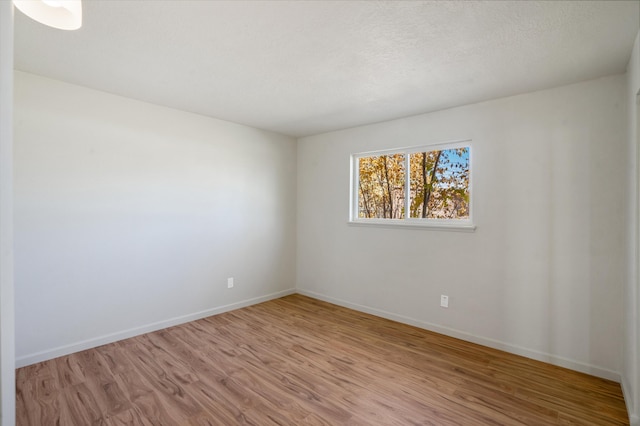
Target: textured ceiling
[[304, 67]]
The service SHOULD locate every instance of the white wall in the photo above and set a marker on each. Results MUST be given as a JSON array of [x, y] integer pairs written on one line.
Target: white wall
[[130, 216], [631, 338], [7, 330], [543, 274]]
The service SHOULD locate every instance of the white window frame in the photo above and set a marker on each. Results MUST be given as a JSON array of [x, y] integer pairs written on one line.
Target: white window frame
[[408, 222]]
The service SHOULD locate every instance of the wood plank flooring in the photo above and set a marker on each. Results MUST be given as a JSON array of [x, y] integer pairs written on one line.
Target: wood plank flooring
[[299, 361]]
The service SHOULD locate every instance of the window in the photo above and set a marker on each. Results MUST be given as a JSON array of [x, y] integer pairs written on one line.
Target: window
[[420, 186]]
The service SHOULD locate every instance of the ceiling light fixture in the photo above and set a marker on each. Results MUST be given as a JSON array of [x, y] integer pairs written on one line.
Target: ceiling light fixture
[[61, 14]]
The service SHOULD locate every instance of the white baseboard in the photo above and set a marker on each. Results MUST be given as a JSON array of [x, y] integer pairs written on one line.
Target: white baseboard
[[136, 331], [484, 341], [496, 344]]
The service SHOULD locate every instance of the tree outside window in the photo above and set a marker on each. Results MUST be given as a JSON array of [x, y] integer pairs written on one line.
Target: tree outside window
[[437, 185]]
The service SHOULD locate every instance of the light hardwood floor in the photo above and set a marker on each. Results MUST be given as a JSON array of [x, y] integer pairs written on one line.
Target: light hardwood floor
[[299, 361]]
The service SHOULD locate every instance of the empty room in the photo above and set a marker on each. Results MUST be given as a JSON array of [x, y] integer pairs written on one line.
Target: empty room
[[319, 212]]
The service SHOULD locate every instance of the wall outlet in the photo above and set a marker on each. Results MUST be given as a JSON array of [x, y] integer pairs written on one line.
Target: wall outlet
[[444, 301], [230, 282]]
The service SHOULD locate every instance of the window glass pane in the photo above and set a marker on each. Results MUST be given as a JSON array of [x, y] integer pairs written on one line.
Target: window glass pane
[[381, 186], [439, 183]]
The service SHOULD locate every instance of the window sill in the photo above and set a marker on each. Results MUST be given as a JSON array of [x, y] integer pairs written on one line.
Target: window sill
[[457, 226]]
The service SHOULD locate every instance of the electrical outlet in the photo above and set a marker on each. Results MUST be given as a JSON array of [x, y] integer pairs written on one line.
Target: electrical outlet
[[230, 282], [444, 301]]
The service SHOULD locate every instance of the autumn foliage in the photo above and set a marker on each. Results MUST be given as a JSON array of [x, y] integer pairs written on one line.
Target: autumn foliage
[[438, 185]]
